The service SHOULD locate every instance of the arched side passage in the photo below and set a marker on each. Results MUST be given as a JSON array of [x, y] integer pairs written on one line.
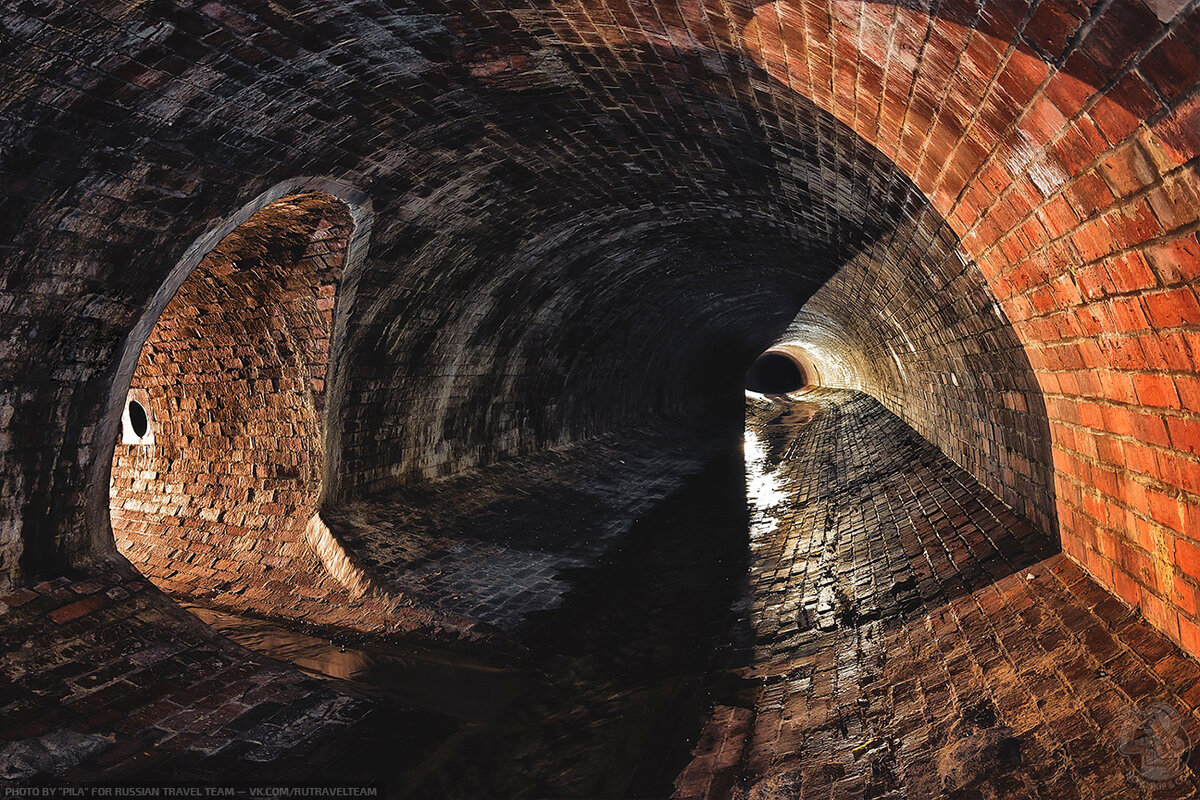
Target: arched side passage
[[359, 208], [238, 376]]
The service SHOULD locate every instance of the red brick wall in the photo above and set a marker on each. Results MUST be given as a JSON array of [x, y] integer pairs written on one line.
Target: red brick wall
[[1076, 191], [234, 373]]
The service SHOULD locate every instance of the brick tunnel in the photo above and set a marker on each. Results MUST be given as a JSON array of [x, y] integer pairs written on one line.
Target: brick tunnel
[[592, 399]]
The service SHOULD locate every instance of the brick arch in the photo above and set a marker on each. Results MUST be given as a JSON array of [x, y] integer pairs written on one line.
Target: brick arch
[[780, 365], [512, 122], [239, 373], [323, 190], [826, 344], [1057, 144]]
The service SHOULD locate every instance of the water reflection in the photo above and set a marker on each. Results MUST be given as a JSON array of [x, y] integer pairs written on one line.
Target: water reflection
[[445, 682], [612, 688], [763, 487], [769, 437]]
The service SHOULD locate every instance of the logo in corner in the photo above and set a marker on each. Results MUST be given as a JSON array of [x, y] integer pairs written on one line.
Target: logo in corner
[[1155, 739]]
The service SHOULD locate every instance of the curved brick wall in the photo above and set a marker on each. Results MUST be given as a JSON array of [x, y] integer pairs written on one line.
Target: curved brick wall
[[911, 321], [589, 214], [584, 330], [1059, 143], [233, 375]]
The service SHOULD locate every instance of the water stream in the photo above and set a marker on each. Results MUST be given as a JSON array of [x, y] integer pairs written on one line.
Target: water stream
[[612, 691]]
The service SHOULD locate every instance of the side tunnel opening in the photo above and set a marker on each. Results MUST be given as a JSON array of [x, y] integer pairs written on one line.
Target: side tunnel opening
[[218, 468]]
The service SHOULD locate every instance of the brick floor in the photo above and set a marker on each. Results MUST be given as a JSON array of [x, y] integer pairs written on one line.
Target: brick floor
[[106, 678], [899, 633], [914, 637], [492, 545]]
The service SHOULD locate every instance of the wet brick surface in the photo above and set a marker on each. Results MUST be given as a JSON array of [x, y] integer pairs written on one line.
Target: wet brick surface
[[914, 636], [899, 633], [108, 679], [492, 545]]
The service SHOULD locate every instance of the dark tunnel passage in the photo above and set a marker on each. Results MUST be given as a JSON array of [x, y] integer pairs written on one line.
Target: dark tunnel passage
[[775, 373], [515, 312], [589, 399]]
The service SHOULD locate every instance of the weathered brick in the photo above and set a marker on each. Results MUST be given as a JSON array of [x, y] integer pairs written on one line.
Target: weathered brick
[[1030, 648], [77, 609], [597, 215], [1187, 557]]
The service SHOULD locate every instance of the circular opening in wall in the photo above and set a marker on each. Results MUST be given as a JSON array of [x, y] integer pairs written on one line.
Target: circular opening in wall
[[138, 421], [775, 373]]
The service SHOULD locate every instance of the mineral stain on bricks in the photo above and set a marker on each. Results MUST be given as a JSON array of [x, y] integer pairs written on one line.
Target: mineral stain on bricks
[[412, 346]]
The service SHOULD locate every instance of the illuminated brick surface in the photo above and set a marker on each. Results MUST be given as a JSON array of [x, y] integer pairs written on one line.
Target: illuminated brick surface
[[579, 220], [913, 636]]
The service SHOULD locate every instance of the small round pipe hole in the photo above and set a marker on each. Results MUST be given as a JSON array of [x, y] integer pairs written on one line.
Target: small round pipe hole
[[139, 422]]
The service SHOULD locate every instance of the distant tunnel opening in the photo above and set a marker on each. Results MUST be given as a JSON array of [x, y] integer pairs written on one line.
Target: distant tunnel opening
[[775, 373]]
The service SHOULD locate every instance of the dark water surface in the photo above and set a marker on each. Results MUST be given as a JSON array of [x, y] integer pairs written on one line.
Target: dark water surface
[[445, 682], [608, 693]]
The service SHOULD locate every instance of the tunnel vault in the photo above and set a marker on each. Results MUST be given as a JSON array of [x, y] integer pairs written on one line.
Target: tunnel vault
[[594, 214], [587, 219]]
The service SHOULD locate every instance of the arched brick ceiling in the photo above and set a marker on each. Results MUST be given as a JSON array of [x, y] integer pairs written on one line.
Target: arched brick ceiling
[[651, 192]]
